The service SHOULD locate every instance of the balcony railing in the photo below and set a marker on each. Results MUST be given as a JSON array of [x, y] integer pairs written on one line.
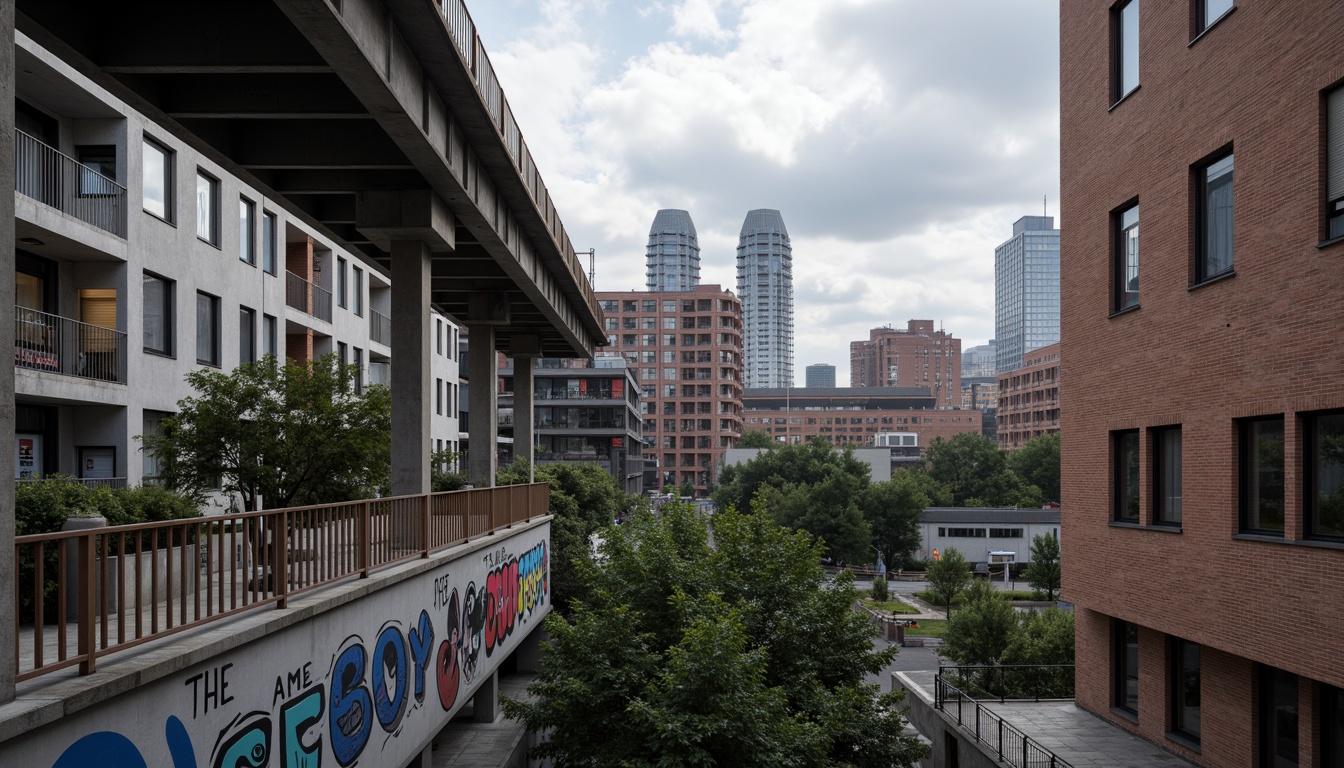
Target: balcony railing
[[307, 297], [87, 482], [64, 183], [47, 342], [380, 328], [82, 595], [961, 691]]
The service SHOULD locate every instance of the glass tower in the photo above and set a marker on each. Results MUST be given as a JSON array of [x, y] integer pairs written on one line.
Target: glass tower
[[1026, 291], [765, 287], [672, 258]]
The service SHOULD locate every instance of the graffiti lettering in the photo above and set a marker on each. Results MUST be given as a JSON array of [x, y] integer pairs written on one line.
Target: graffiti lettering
[[209, 690], [422, 645], [292, 682], [249, 746], [297, 717], [389, 678], [351, 713]]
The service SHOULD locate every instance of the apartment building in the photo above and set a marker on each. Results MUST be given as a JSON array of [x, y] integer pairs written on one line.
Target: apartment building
[[852, 415], [686, 348], [1204, 405], [1028, 399], [140, 259], [914, 356]]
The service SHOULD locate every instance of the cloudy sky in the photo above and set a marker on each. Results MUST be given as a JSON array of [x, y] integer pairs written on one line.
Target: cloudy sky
[[899, 138]]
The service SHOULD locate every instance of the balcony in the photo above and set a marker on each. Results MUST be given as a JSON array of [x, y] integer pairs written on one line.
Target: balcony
[[55, 344], [307, 297], [54, 179], [380, 328]]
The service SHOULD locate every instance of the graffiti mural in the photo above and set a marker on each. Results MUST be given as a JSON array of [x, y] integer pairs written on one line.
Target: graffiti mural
[[358, 701]]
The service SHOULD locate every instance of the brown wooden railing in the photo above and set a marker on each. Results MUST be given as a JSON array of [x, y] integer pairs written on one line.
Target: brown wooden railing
[[84, 594]]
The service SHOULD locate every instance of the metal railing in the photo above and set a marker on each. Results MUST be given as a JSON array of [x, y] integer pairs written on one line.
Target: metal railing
[[380, 328], [1002, 684], [47, 342], [64, 183], [82, 595], [307, 297], [87, 482]]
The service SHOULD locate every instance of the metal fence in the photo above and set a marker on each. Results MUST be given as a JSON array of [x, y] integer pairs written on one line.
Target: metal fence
[[64, 183], [380, 328], [953, 693], [47, 342], [84, 594], [307, 297]]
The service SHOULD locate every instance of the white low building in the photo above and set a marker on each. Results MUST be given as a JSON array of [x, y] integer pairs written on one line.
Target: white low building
[[975, 532]]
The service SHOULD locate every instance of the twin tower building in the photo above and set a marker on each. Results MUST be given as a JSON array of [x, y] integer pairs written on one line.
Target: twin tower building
[[764, 286]]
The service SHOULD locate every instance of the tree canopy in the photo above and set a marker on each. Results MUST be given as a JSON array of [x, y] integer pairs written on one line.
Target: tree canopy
[[980, 631], [686, 654], [1037, 463], [948, 577], [756, 438], [976, 472], [288, 434], [894, 510], [1043, 573]]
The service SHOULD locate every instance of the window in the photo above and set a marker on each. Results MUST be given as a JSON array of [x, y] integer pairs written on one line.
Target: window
[[359, 292], [268, 243], [247, 335], [1323, 434], [1005, 533], [1209, 12], [1334, 194], [207, 329], [207, 208], [247, 231], [1125, 455], [1125, 655], [1278, 718], [1332, 725], [1185, 688], [966, 533], [1167, 476], [1124, 49], [1214, 233], [1127, 258], [153, 465], [157, 294], [1262, 476], [342, 354], [157, 180], [269, 340], [341, 297], [438, 396]]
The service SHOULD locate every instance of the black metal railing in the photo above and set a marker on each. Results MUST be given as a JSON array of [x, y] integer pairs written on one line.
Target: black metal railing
[[64, 183], [960, 693], [380, 328], [47, 342], [307, 297]]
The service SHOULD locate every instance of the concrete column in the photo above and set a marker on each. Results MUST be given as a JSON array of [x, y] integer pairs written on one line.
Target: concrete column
[[485, 704], [528, 653], [425, 759], [523, 412], [7, 584], [482, 404], [410, 367]]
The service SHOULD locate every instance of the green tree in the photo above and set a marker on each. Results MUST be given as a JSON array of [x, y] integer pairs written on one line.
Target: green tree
[[1044, 638], [288, 434], [687, 488], [742, 653], [827, 509], [880, 590], [1037, 463], [1043, 573], [976, 472], [801, 464], [443, 474], [948, 577], [981, 630], [756, 438], [894, 510]]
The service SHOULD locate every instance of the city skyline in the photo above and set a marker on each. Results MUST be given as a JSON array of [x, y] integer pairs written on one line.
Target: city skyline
[[721, 108]]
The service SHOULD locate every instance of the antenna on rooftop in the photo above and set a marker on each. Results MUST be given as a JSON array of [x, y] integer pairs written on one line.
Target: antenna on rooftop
[[1045, 210], [592, 267]]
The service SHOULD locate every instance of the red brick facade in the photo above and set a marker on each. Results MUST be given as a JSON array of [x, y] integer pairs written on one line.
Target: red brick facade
[[917, 356], [1262, 341], [1029, 398]]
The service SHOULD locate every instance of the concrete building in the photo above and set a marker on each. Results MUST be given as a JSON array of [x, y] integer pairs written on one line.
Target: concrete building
[[980, 360], [765, 287], [1026, 291], [1029, 399], [585, 412], [686, 349], [977, 531], [917, 356], [821, 375], [1203, 402], [170, 159], [852, 415], [672, 258]]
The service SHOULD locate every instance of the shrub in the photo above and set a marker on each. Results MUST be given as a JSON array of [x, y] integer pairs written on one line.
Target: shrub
[[154, 503], [880, 588]]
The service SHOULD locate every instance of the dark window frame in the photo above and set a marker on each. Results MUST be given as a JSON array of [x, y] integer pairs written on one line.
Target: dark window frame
[[1311, 477], [342, 286], [247, 335], [1161, 455], [1268, 709], [169, 315], [270, 245], [1181, 724], [1246, 432], [1123, 486], [213, 184], [1202, 19], [213, 351], [169, 179], [247, 231], [1204, 270], [1330, 724], [1118, 45], [1124, 269], [1333, 129], [1121, 698]]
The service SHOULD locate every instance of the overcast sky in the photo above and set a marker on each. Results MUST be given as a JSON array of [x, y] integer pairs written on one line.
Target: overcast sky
[[900, 139]]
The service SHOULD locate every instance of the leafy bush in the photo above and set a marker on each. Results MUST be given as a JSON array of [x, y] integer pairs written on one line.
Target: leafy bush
[[880, 588]]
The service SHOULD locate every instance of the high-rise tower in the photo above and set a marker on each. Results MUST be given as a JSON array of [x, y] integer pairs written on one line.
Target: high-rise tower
[[1026, 291], [765, 287], [673, 254]]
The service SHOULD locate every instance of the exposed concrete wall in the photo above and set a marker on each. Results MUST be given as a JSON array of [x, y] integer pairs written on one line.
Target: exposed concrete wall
[[7, 570], [369, 671], [937, 729]]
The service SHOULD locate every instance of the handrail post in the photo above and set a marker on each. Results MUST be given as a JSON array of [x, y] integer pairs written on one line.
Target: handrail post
[[424, 524], [364, 542], [87, 625], [280, 558]]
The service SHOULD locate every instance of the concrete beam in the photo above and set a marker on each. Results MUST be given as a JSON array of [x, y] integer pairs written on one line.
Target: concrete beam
[[410, 368], [8, 662], [385, 217]]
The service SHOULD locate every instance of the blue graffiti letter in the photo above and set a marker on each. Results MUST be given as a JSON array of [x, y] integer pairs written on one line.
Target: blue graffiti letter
[[351, 714], [389, 678], [422, 647], [296, 717]]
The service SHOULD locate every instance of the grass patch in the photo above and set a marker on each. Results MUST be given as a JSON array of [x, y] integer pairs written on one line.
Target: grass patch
[[928, 628], [890, 606]]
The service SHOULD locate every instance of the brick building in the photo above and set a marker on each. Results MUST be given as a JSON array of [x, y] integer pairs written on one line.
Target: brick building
[[686, 349], [1205, 397], [852, 415], [1029, 398], [917, 356]]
